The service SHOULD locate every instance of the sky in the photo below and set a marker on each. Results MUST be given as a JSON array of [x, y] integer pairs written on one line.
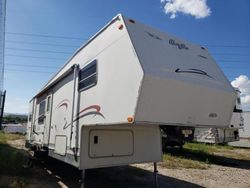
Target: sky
[[42, 34]]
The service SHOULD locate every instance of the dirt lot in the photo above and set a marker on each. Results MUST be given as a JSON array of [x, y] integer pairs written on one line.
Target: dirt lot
[[226, 168]]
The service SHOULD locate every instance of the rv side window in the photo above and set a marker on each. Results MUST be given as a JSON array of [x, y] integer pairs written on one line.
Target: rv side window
[[88, 76], [41, 112]]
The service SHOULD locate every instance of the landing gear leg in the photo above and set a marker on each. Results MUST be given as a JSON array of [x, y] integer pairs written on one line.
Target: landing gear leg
[[29, 163], [30, 160], [82, 180], [155, 175]]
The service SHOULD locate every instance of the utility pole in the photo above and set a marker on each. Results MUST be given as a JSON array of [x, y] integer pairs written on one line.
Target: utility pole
[[2, 48]]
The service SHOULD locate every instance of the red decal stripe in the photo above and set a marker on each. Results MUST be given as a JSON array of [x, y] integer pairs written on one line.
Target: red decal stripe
[[96, 107], [64, 102]]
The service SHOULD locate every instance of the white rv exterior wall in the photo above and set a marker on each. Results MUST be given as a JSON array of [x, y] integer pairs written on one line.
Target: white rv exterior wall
[[119, 76], [61, 111], [118, 84], [179, 99]]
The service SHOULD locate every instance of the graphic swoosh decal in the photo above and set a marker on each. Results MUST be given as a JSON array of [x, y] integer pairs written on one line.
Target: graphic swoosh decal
[[95, 111], [194, 71], [96, 107], [65, 103], [89, 113], [66, 125]]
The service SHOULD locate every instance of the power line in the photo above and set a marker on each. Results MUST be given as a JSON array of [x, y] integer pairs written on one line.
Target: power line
[[227, 46], [16, 70], [75, 46], [36, 57], [31, 66], [44, 51], [45, 36], [40, 43], [80, 38], [238, 68], [236, 61], [231, 54]]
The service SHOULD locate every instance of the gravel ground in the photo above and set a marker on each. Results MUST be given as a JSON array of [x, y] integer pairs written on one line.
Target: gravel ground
[[215, 176], [52, 173]]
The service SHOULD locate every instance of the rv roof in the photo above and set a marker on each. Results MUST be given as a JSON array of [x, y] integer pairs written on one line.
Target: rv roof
[[55, 78], [48, 84]]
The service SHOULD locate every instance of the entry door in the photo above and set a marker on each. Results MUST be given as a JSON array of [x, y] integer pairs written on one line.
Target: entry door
[[40, 124], [47, 122]]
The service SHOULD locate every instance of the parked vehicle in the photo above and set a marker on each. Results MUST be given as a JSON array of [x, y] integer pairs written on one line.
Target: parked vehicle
[[176, 136], [105, 106], [244, 133], [223, 135]]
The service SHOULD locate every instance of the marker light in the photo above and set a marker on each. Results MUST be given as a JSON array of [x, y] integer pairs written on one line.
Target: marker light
[[130, 119], [120, 27]]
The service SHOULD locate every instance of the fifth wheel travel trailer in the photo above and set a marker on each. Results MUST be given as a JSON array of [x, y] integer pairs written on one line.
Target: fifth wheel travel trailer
[[104, 107], [223, 135], [244, 133]]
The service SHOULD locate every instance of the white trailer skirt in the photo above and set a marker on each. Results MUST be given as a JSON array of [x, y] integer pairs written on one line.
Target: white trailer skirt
[[105, 146]]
